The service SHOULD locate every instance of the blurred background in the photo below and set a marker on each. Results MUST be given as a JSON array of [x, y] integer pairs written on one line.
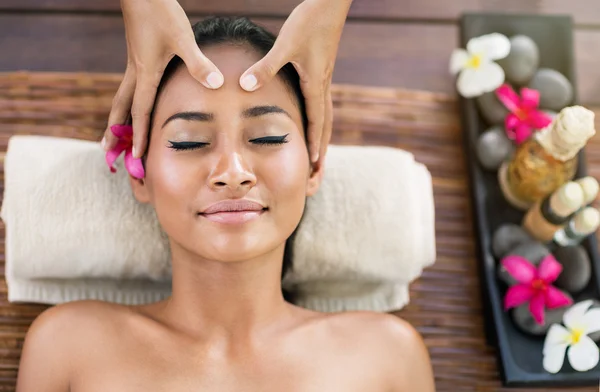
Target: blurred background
[[393, 43]]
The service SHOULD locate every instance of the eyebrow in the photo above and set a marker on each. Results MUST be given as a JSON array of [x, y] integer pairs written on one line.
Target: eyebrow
[[253, 112]]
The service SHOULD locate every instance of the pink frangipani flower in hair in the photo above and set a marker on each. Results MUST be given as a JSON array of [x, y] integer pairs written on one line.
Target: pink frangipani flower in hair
[[524, 116], [133, 165], [534, 285]]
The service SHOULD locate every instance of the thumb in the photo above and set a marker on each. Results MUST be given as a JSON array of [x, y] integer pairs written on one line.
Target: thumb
[[200, 67], [264, 70]]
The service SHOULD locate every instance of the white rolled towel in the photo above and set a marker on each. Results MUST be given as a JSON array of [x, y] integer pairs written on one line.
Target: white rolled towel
[[366, 234], [75, 231]]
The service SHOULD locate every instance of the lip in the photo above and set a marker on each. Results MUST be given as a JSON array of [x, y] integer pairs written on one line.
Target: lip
[[233, 211]]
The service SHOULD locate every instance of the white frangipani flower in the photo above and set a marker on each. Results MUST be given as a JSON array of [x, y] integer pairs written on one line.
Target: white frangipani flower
[[583, 353], [478, 71]]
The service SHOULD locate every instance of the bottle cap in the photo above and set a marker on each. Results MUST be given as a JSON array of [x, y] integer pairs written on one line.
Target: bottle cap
[[567, 199], [590, 188], [568, 132], [586, 221]]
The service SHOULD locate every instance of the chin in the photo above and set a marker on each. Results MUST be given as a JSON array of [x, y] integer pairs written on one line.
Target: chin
[[234, 247]]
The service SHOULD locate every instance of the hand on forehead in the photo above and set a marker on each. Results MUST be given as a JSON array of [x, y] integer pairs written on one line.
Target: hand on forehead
[[181, 92]]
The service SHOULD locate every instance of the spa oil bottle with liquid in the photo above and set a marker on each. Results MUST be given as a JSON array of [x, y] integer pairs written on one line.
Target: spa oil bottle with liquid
[[548, 159]]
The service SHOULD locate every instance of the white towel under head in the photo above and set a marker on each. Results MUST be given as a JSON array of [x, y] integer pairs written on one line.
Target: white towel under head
[[367, 233], [75, 231]]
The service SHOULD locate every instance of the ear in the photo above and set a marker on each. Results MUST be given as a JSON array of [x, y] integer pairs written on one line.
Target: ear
[[316, 176], [140, 189]]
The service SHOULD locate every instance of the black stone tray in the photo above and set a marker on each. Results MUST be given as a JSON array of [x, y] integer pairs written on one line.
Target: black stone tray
[[519, 354]]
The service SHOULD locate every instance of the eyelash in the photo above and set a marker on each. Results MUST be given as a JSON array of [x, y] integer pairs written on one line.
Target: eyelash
[[267, 140], [270, 140], [185, 146]]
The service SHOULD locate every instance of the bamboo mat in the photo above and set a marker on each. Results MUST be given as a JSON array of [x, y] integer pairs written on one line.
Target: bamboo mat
[[445, 305]]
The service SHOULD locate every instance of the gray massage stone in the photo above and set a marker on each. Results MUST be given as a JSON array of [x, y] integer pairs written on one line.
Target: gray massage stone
[[507, 237], [556, 92], [526, 323], [534, 251], [577, 268], [522, 61], [493, 147], [491, 109]]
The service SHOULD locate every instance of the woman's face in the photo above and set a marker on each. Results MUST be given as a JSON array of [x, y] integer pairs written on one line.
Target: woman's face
[[212, 151]]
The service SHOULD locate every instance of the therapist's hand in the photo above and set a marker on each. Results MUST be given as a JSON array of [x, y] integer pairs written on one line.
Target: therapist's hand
[[309, 40], [156, 30]]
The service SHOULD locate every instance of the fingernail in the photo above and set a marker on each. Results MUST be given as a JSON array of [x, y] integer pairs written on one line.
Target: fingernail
[[315, 157], [214, 80], [103, 143], [133, 152], [248, 82]]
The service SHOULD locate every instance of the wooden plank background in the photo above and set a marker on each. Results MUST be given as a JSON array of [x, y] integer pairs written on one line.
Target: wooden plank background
[[585, 12], [389, 43]]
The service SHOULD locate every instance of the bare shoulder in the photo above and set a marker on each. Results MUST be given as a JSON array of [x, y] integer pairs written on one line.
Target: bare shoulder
[[78, 324], [76, 319], [392, 345], [372, 325], [57, 338], [388, 324]]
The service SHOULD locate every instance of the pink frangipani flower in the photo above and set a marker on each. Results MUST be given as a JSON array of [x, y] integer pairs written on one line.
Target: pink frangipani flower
[[534, 285], [133, 165], [524, 116]]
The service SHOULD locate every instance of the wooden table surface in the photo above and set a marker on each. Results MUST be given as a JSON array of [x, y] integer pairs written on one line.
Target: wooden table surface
[[389, 43]]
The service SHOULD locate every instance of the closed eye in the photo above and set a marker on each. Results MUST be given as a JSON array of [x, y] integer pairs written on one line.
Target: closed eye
[[270, 140], [184, 146]]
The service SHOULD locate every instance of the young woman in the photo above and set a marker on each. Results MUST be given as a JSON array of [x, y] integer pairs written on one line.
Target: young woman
[[228, 173]]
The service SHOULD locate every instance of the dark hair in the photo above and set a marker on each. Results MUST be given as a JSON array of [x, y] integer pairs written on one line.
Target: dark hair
[[241, 31]]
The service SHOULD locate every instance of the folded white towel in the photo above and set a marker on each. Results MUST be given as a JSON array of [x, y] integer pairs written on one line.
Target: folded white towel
[[75, 231], [366, 234]]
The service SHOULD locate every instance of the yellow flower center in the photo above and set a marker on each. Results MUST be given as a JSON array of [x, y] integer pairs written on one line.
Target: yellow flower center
[[474, 61], [576, 335]]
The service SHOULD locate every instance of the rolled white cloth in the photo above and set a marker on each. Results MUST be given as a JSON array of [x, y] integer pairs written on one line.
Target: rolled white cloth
[[75, 231]]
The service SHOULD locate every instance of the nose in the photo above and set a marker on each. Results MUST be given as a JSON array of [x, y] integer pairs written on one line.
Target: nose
[[232, 173]]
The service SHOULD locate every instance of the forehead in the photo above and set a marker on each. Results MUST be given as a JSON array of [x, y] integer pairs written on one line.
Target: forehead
[[182, 91]]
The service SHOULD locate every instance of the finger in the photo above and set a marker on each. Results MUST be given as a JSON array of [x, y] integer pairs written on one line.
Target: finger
[[265, 69], [199, 66], [327, 126], [143, 101], [314, 96], [121, 107]]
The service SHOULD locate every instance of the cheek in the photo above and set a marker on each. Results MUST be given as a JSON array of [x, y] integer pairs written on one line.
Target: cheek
[[285, 175], [172, 189]]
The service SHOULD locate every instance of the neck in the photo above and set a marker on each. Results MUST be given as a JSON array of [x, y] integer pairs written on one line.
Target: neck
[[229, 299]]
